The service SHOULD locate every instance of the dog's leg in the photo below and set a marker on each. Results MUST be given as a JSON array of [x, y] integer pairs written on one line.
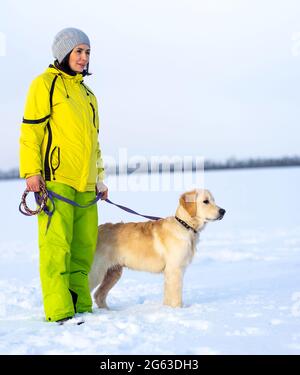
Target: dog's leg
[[97, 274], [111, 277], [173, 287]]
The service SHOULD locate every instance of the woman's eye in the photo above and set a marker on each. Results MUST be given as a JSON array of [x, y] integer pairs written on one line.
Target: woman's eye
[[206, 201]]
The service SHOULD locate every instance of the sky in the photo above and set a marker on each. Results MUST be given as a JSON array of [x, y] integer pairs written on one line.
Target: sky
[[209, 78]]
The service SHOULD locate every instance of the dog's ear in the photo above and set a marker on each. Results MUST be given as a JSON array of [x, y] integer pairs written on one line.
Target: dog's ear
[[189, 202]]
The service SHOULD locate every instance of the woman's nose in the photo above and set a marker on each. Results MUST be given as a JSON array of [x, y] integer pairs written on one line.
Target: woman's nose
[[84, 57]]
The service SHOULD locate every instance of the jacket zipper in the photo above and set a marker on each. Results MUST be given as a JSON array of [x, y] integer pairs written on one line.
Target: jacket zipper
[[93, 108]]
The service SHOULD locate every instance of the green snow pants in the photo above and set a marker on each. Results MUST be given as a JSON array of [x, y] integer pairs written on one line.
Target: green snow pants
[[66, 253]]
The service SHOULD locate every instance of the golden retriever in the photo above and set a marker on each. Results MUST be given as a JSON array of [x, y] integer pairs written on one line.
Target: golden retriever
[[166, 245]]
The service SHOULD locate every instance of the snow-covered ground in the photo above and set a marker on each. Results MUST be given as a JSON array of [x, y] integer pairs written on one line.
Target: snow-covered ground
[[241, 292]]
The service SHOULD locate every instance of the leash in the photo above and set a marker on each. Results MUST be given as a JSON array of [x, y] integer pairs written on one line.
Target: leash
[[42, 197], [133, 212]]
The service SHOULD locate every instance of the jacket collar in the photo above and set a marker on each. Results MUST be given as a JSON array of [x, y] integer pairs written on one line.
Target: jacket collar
[[53, 69]]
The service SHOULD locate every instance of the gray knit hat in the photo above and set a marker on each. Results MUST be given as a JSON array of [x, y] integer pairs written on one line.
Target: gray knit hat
[[67, 39]]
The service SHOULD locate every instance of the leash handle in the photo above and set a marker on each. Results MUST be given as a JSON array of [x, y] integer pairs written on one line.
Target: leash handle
[[40, 199]]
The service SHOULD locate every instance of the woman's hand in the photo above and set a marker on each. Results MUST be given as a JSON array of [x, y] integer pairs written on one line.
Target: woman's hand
[[34, 183], [102, 188]]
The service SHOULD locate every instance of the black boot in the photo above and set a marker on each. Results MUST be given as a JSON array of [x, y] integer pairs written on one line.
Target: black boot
[[76, 321], [62, 321]]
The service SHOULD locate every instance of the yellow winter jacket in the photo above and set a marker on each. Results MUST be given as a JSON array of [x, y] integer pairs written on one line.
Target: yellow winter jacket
[[59, 133]]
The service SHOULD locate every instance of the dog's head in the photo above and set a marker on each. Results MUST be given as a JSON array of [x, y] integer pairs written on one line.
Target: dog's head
[[200, 204]]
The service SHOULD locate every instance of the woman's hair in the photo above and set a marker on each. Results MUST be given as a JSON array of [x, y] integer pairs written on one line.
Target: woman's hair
[[65, 67]]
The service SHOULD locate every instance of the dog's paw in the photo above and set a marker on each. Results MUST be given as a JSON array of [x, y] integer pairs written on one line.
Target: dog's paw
[[173, 304], [102, 305]]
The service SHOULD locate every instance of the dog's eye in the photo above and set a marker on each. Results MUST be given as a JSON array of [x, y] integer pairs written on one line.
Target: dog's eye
[[206, 201]]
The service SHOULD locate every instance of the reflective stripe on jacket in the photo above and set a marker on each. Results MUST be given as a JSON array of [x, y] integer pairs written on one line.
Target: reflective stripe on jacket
[[59, 133]]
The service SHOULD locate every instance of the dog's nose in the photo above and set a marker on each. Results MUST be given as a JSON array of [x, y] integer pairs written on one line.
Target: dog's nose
[[222, 211]]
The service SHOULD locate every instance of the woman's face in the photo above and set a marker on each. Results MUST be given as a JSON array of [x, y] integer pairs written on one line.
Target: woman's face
[[79, 58]]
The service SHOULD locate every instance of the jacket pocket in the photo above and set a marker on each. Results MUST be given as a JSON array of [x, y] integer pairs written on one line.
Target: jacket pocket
[[55, 160], [94, 115]]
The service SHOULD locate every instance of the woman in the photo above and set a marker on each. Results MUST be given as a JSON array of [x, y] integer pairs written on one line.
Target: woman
[[59, 149]]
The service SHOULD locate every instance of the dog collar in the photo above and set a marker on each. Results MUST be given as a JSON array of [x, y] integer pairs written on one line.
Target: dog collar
[[185, 224]]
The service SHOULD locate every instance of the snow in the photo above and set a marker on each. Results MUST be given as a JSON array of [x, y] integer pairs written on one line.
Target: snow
[[241, 292]]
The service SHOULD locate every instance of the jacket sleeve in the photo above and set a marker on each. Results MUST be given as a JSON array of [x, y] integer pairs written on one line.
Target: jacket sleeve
[[36, 115], [100, 164]]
